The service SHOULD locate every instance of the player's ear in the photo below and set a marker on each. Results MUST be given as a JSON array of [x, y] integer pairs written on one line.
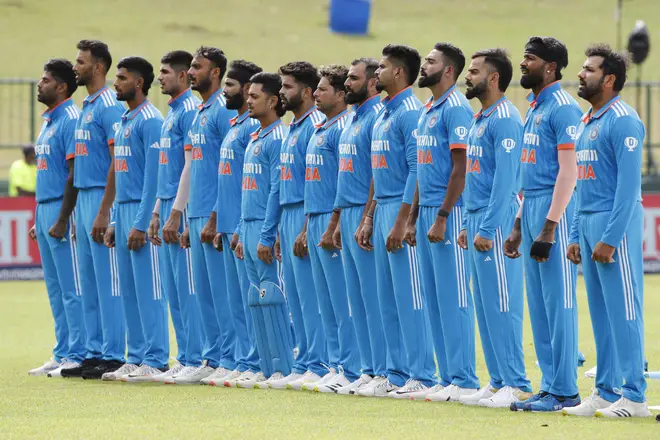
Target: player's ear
[[609, 81], [449, 71], [495, 79], [246, 88]]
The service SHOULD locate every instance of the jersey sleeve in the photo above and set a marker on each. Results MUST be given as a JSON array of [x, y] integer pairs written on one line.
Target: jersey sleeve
[[627, 138], [185, 123], [458, 122], [564, 123], [408, 127], [272, 219], [574, 236], [151, 139], [507, 141], [110, 122], [69, 138]]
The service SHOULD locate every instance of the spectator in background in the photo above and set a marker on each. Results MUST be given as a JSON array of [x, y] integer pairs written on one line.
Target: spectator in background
[[23, 174]]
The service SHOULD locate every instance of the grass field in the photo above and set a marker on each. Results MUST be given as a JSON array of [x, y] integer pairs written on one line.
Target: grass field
[[272, 32], [57, 408]]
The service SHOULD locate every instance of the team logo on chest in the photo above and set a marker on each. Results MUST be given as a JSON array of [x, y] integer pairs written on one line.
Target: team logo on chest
[[203, 121], [593, 134], [293, 140], [169, 124], [320, 140], [356, 130], [50, 132], [88, 117], [257, 150], [233, 135], [127, 132], [481, 130], [386, 125], [537, 119], [433, 121]]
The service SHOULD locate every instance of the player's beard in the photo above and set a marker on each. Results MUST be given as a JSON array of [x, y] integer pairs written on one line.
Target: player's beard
[[83, 80], [203, 85], [235, 102], [476, 90], [380, 87], [357, 97], [291, 104], [46, 98], [530, 80], [588, 91], [127, 96], [430, 80]]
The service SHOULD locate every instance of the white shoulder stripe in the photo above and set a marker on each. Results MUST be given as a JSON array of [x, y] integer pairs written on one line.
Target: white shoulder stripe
[[567, 95], [620, 109]]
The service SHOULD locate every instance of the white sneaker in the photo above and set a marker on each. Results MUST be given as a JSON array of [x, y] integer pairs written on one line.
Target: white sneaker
[[217, 376], [352, 387], [145, 373], [192, 375], [588, 407], [234, 374], [422, 394], [308, 377], [483, 393], [64, 365], [412, 386], [505, 397], [249, 379], [591, 372], [46, 368], [451, 393], [378, 387], [175, 370], [264, 384], [624, 408], [231, 382], [121, 372], [331, 386], [282, 383], [309, 386]]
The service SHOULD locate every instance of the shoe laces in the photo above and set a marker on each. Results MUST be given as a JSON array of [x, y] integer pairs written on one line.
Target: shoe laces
[[413, 385], [622, 402], [592, 397]]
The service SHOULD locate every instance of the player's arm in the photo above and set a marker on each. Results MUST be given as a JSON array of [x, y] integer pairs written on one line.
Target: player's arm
[[151, 139], [70, 192], [272, 219], [410, 235]]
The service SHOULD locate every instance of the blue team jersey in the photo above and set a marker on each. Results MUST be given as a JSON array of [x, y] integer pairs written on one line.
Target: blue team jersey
[[261, 180], [173, 141], [208, 131], [394, 148], [292, 157], [55, 145], [354, 178], [550, 125], [322, 160], [230, 172], [493, 163], [609, 156], [136, 160], [443, 127], [95, 133]]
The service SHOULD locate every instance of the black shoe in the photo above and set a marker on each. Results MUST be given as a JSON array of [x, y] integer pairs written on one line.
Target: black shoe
[[104, 367], [78, 371]]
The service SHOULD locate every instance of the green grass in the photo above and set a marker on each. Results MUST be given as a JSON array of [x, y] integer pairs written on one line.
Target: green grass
[[59, 408]]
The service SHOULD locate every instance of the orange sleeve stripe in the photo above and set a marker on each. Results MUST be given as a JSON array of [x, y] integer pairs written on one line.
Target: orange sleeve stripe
[[111, 143], [566, 147], [187, 147], [458, 146], [70, 156]]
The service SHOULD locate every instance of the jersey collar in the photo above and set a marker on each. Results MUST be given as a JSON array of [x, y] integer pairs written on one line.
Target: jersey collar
[[212, 99], [391, 103], [366, 106], [588, 116], [53, 113], [548, 90], [262, 133], [177, 100], [237, 120], [433, 104], [92, 98], [130, 114], [489, 111], [330, 122], [299, 121]]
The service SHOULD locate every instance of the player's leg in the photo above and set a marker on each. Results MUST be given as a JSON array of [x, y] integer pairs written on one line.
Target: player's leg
[[170, 292]]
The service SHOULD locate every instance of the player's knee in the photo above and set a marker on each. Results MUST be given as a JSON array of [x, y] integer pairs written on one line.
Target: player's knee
[[270, 294]]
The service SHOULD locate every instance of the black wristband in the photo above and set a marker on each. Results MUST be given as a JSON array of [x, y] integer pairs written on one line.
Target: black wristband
[[443, 213]]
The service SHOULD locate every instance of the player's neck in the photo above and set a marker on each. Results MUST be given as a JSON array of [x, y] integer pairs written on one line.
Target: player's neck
[[538, 89], [335, 111], [367, 99], [57, 102], [210, 92], [601, 99], [440, 89], [241, 111], [395, 89], [136, 102], [268, 119], [95, 85], [302, 109], [489, 98]]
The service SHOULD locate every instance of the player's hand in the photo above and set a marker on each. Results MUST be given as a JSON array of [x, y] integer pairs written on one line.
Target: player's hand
[[171, 227], [326, 240], [437, 232], [462, 239], [32, 233], [136, 239], [58, 230], [278, 249], [265, 254], [512, 244], [239, 251], [154, 226], [300, 245], [364, 236], [234, 242], [73, 231], [336, 238], [109, 237], [208, 232], [573, 253], [394, 240], [217, 242], [482, 244], [603, 253], [184, 240], [99, 227], [410, 234]]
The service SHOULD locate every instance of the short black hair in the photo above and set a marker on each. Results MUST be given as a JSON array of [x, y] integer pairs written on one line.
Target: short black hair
[[407, 57], [177, 59], [271, 83], [499, 60], [141, 67], [62, 71], [303, 72], [99, 51], [453, 55], [244, 70], [215, 56], [555, 49], [336, 75], [370, 66], [614, 63]]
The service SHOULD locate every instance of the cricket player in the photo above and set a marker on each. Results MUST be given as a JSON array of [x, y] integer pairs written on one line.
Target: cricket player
[[175, 262], [607, 231], [56, 197], [227, 212], [209, 128], [94, 177], [260, 212], [410, 361], [299, 81], [491, 188], [136, 181], [322, 165], [353, 192], [549, 171], [435, 223]]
